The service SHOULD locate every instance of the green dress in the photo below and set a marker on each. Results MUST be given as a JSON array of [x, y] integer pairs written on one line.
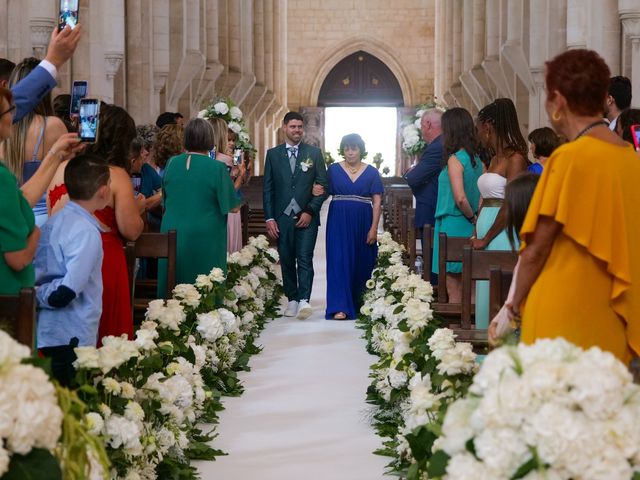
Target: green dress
[[197, 194], [16, 224], [449, 218]]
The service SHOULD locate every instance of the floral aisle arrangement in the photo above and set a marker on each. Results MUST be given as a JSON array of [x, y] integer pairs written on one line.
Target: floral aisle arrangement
[[148, 396], [412, 141], [42, 429], [422, 369], [226, 109], [545, 411]]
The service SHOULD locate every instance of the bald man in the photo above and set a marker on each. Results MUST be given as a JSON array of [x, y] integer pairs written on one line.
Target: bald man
[[423, 177]]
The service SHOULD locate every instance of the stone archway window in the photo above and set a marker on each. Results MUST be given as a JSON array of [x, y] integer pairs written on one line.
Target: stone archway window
[[360, 80]]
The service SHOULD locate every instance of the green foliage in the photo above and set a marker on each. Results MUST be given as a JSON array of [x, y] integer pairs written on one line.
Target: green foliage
[[38, 464]]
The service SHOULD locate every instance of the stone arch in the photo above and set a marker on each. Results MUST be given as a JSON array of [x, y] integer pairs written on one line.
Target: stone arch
[[351, 46]]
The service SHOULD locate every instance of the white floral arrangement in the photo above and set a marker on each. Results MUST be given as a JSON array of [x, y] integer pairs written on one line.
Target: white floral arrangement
[[422, 369], [147, 395], [545, 411], [306, 164], [226, 109]]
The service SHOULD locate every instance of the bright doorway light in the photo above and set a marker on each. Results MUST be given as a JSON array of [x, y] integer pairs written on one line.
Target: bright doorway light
[[376, 125]]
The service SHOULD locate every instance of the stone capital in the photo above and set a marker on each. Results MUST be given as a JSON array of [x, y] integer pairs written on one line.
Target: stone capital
[[112, 61], [631, 23], [40, 34]]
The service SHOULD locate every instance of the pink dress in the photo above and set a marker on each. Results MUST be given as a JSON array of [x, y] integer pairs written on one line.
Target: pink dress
[[234, 220]]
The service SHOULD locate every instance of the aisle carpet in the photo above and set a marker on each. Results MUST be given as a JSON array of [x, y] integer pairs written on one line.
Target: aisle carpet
[[303, 413]]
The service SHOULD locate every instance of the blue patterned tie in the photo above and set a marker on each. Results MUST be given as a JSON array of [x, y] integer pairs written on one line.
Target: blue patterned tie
[[293, 156]]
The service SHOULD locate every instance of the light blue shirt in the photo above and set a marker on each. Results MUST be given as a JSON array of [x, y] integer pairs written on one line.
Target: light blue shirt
[[69, 254]]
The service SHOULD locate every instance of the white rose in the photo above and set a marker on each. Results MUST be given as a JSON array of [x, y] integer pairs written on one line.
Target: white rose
[[133, 411], [204, 282], [235, 113], [94, 422], [221, 108], [188, 294], [457, 360], [122, 433], [155, 309], [202, 114], [87, 357], [145, 338], [456, 428], [217, 275], [111, 385], [210, 325], [127, 390], [244, 136]]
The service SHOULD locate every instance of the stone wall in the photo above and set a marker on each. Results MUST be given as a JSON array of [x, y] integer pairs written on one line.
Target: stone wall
[[320, 34]]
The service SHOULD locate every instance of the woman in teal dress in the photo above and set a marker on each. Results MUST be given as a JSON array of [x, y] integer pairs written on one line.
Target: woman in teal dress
[[458, 194], [198, 194], [499, 131]]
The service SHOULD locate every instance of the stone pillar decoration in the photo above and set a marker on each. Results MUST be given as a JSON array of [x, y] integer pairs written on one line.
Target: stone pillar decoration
[[41, 29], [112, 62], [313, 126], [630, 17]]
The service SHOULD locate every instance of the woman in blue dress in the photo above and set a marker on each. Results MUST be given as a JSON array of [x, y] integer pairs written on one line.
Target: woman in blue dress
[[352, 228]]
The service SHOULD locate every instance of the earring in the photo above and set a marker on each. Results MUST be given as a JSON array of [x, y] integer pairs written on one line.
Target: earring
[[556, 116]]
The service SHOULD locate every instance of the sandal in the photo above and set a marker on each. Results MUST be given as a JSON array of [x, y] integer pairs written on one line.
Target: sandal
[[340, 316]]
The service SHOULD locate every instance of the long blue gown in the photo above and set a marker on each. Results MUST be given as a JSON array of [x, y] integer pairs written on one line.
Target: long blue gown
[[350, 260]]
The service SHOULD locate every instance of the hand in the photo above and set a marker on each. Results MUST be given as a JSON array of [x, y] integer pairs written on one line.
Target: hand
[[304, 220], [478, 244], [318, 190], [272, 229], [66, 147], [141, 203], [513, 313], [492, 335], [372, 236], [62, 45]]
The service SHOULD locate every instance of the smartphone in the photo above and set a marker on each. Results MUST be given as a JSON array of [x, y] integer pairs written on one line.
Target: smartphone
[[635, 133], [89, 120], [78, 92], [68, 14], [237, 155]]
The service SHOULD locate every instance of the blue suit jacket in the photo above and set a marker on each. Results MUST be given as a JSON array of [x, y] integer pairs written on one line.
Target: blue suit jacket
[[423, 180], [30, 91]]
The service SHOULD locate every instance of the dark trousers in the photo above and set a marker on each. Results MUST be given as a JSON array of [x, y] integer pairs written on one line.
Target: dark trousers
[[295, 246], [62, 358]]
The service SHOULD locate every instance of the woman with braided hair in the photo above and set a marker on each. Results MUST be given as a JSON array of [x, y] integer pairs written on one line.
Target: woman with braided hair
[[499, 131]]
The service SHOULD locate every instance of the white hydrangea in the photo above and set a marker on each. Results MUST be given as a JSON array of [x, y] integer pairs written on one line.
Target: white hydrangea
[[210, 325], [217, 275], [235, 113], [145, 337], [202, 113], [11, 352], [94, 422], [125, 433], [204, 282], [221, 108], [87, 358], [235, 127], [115, 351]]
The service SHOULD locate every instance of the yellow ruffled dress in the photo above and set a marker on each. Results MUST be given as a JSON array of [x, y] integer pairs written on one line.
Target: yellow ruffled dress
[[589, 288]]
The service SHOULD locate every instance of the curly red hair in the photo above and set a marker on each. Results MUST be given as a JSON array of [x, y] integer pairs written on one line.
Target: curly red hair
[[582, 77]]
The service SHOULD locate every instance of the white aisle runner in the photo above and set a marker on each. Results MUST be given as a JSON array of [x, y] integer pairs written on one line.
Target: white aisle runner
[[303, 412]]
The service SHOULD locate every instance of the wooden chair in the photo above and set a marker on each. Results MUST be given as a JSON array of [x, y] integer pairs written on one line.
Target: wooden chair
[[449, 250], [153, 245], [499, 284], [18, 313], [427, 247], [476, 265], [244, 218]]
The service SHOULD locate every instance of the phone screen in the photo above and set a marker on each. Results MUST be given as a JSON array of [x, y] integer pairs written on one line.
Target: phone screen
[[635, 131], [89, 115], [68, 14], [78, 92]]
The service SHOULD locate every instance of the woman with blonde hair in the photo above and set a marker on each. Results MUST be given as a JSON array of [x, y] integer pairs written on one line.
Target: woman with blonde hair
[[237, 172], [32, 137]]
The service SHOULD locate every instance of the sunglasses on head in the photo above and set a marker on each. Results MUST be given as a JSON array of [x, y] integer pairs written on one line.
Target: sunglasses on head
[[9, 110]]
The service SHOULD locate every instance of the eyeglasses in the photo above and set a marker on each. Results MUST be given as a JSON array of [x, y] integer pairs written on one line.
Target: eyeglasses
[[9, 110]]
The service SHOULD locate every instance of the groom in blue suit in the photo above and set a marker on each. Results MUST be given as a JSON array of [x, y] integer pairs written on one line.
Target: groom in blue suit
[[30, 91], [292, 212]]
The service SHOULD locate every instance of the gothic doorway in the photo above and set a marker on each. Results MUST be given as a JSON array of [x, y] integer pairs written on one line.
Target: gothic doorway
[[359, 95]]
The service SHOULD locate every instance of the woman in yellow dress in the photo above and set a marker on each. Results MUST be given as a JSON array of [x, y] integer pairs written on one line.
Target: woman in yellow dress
[[579, 274]]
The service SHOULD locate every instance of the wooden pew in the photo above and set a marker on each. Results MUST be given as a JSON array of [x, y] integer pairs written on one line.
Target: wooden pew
[[476, 265], [18, 316], [449, 250], [499, 284]]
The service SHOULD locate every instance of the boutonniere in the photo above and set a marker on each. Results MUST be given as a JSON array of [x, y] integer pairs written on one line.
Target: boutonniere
[[306, 164]]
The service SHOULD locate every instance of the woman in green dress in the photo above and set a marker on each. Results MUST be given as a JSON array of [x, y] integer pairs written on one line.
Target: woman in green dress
[[458, 194], [198, 194]]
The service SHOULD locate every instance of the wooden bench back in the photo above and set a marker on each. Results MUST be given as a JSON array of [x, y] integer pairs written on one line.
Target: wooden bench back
[[19, 312], [499, 284], [449, 250], [476, 265]]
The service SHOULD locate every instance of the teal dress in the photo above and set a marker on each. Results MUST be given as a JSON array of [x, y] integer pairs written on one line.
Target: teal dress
[[449, 218], [16, 224]]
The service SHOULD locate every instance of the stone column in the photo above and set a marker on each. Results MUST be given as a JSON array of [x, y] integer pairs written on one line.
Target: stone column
[[491, 62], [161, 54], [113, 37], [42, 20], [630, 16]]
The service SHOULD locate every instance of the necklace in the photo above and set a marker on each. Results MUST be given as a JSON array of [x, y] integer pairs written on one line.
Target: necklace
[[589, 127], [353, 170]]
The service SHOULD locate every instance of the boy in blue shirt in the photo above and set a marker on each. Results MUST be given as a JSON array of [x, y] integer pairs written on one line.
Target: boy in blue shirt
[[68, 266]]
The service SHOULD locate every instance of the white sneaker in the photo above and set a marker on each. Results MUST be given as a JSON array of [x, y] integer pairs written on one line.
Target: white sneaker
[[292, 309], [305, 310]]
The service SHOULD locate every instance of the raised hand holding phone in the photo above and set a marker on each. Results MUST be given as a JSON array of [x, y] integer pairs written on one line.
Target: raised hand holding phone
[[68, 15], [89, 120], [635, 133]]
